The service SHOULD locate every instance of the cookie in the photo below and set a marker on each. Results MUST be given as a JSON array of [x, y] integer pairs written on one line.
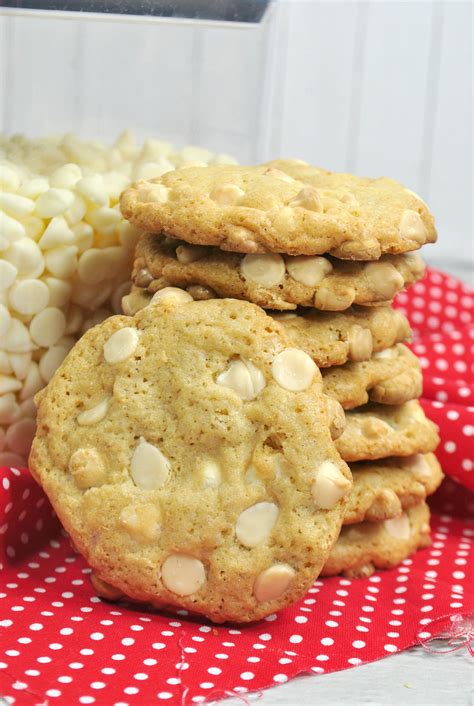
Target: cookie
[[365, 547], [384, 489], [286, 206], [390, 377], [188, 455], [329, 338], [379, 431], [271, 280]]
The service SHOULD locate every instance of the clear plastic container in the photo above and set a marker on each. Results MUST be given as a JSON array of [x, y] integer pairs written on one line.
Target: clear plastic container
[[197, 77]]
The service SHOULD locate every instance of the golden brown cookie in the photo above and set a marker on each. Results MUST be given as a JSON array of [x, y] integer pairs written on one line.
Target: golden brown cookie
[[188, 456], [265, 209], [390, 377], [379, 431], [383, 489], [329, 338], [271, 280], [365, 547]]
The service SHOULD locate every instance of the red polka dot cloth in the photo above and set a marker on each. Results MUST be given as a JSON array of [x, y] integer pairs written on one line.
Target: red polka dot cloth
[[61, 644]]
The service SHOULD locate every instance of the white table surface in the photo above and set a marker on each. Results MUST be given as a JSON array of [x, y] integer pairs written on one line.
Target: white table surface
[[411, 678]]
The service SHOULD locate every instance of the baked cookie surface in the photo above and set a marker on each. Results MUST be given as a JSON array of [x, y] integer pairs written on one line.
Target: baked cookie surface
[[191, 463], [390, 377], [271, 280], [384, 489], [284, 206], [365, 547], [379, 431]]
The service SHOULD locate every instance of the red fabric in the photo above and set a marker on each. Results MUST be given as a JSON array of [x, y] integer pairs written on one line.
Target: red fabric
[[59, 643]]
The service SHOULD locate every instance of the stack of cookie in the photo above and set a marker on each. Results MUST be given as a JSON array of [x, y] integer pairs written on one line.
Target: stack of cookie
[[325, 254]]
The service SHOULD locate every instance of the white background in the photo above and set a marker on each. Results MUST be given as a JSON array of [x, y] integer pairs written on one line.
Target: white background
[[376, 88]]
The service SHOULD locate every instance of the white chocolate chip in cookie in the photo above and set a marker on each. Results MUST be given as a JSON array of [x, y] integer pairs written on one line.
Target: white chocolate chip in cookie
[[121, 345], [412, 227], [171, 294], [153, 193], [336, 417], [293, 370], [273, 582], [385, 279], [182, 574], [360, 343], [398, 527], [420, 467], [149, 467], [386, 353], [94, 415], [308, 270], [255, 524], [267, 270], [373, 427], [329, 486], [244, 378], [227, 194], [309, 199], [87, 468], [328, 298], [210, 473], [278, 174], [141, 521], [189, 253]]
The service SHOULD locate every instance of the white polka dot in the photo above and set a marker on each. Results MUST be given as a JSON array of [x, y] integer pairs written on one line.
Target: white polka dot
[[390, 648], [36, 626], [214, 670], [247, 676], [295, 639], [97, 636], [164, 695], [358, 644], [450, 447], [280, 678], [141, 676], [354, 660], [327, 641], [53, 693]]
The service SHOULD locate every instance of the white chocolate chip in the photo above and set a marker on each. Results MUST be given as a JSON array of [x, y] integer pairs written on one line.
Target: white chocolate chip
[[309, 199], [8, 408], [182, 574], [61, 261], [308, 270], [329, 298], [87, 468], [26, 256], [360, 343], [10, 229], [227, 194], [20, 363], [66, 177], [329, 486], [9, 384], [412, 227], [47, 327], [189, 253], [294, 370], [278, 174], [149, 467], [398, 527], [255, 524], [93, 189], [141, 521], [387, 353], [57, 233], [384, 278], [59, 291], [95, 414], [121, 345], [273, 582], [17, 206], [17, 338], [20, 435], [8, 273], [267, 270], [210, 472], [174, 295], [153, 193], [32, 383], [92, 266], [29, 296], [244, 378], [420, 467], [5, 320], [54, 202]]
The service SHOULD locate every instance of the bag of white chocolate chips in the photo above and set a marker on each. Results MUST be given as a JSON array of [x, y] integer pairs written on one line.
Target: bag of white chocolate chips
[[65, 255]]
